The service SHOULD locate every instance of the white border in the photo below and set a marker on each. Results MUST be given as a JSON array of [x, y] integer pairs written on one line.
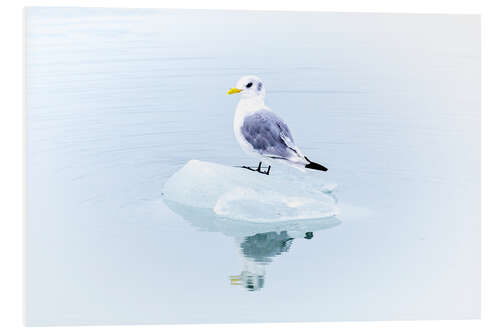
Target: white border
[[12, 162]]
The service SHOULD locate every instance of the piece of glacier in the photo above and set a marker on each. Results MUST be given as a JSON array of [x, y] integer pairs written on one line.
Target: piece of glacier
[[239, 194]]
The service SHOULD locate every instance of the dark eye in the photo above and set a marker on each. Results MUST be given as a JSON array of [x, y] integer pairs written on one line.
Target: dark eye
[[249, 85]]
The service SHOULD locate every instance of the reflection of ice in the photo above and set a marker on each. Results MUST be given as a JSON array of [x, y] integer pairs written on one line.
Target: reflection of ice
[[207, 220], [238, 194], [258, 243]]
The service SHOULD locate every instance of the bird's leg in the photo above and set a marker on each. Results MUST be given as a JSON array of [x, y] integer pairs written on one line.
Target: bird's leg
[[247, 167], [258, 169]]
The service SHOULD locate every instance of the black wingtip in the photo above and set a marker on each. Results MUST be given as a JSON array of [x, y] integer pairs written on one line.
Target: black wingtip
[[315, 166]]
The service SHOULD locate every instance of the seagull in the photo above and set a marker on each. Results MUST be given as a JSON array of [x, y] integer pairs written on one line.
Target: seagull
[[261, 133]]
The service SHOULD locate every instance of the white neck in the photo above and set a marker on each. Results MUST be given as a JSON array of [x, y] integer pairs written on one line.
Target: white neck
[[251, 104]]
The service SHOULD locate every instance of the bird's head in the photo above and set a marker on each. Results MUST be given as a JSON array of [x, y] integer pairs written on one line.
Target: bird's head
[[249, 87]]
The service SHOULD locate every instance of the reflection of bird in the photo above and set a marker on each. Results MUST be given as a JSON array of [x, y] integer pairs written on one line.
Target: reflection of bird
[[257, 251], [260, 132], [258, 242]]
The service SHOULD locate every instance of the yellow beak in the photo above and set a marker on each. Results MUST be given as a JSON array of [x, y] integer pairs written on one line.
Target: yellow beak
[[233, 91], [235, 279]]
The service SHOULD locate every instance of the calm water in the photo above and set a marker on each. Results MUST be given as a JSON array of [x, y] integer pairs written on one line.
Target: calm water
[[118, 100]]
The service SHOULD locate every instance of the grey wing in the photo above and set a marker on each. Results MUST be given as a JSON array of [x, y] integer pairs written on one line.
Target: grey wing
[[268, 135]]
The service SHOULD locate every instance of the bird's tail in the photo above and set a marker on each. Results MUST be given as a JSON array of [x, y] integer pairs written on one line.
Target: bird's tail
[[314, 166]]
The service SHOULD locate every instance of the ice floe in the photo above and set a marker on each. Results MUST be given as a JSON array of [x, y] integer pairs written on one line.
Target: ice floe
[[240, 194]]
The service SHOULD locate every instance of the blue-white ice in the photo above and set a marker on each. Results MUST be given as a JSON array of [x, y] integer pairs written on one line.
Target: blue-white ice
[[240, 194]]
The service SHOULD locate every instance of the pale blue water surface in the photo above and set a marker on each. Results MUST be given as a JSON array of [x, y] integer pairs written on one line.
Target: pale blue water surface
[[118, 100]]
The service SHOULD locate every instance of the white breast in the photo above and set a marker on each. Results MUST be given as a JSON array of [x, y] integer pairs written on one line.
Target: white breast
[[246, 107]]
